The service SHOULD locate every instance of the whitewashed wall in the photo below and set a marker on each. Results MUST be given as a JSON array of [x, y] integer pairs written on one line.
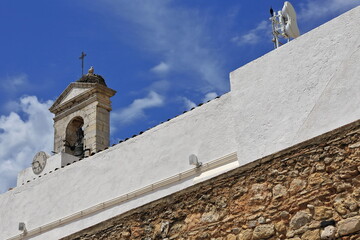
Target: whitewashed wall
[[161, 152], [300, 90], [53, 162], [306, 87]]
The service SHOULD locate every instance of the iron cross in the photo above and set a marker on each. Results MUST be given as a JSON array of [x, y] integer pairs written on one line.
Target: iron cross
[[82, 62]]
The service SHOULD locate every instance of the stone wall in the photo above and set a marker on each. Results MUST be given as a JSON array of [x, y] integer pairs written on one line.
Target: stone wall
[[308, 191]]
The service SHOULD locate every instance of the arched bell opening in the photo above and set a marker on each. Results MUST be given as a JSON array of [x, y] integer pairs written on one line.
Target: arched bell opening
[[74, 140]]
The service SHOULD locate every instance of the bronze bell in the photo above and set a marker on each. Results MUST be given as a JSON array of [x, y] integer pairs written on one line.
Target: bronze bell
[[79, 150]]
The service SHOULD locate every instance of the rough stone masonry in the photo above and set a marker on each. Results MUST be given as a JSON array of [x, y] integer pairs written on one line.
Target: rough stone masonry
[[308, 191]]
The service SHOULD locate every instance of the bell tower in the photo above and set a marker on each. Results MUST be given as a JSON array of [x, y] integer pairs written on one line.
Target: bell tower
[[82, 116]]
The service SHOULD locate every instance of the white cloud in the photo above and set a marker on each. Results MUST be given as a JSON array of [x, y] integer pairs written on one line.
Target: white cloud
[[179, 35], [136, 109], [312, 10], [161, 68], [159, 86], [253, 36], [22, 134], [309, 10], [209, 96], [188, 103], [15, 83], [12, 106]]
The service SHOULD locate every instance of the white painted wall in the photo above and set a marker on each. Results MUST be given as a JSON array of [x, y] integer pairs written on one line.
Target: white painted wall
[[305, 88], [56, 161], [316, 90], [161, 152]]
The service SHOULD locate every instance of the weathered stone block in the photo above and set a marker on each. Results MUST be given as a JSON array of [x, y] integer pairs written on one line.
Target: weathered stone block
[[297, 185], [299, 220], [211, 216], [264, 231], [328, 233], [280, 226], [260, 193], [340, 208], [279, 191], [323, 213], [317, 178], [231, 237], [245, 235], [348, 226], [311, 235]]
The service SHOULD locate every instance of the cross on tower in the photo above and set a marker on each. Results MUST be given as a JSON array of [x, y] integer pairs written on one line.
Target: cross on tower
[[82, 62]]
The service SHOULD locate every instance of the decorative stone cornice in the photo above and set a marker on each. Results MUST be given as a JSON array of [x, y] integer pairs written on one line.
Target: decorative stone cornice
[[94, 89]]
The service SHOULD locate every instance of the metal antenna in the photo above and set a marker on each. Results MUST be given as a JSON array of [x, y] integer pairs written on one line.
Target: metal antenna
[[83, 55], [284, 24]]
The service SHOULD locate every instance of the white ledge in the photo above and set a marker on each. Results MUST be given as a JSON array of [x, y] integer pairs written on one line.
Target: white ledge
[[222, 163]]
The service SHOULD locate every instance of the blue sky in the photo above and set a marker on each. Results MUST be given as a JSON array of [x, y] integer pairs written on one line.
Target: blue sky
[[161, 56]]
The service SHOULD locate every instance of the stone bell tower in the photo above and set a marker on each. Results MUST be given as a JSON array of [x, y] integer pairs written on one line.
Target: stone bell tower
[[82, 116]]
